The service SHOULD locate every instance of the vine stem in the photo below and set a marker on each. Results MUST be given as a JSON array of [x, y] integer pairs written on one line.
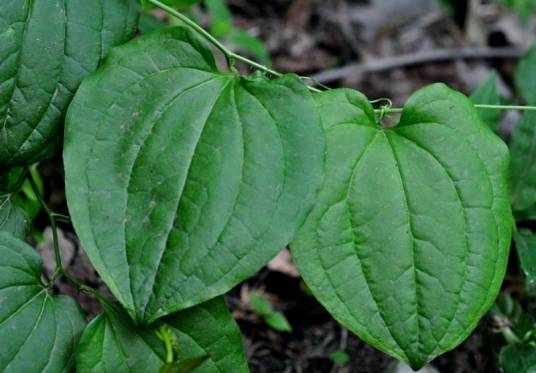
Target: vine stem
[[54, 218], [478, 106], [230, 56]]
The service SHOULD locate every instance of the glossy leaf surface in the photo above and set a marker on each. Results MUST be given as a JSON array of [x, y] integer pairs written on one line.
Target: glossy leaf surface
[[39, 332], [47, 48], [182, 180], [205, 333], [523, 167], [408, 242]]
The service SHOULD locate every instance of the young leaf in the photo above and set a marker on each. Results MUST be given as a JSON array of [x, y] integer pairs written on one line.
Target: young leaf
[[408, 242], [273, 318], [12, 219], [488, 94], [47, 49], [523, 166], [207, 337], [526, 252], [525, 77], [39, 332], [181, 180]]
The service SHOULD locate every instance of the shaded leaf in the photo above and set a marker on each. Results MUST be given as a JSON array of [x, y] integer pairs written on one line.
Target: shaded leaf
[[488, 94], [526, 252], [11, 180], [39, 331], [525, 77], [181, 180], [12, 219], [207, 337], [48, 47], [517, 358], [523, 163], [408, 242]]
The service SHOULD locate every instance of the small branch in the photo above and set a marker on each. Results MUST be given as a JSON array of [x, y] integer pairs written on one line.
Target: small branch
[[53, 218], [417, 58]]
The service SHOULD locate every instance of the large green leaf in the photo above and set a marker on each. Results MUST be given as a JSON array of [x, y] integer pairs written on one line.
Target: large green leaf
[[38, 332], [408, 242], [181, 180], [12, 218], [526, 252], [525, 77], [523, 168], [205, 333], [47, 48], [488, 94]]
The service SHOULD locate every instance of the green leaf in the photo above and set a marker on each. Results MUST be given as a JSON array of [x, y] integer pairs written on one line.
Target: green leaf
[[528, 214], [488, 94], [339, 357], [260, 304], [408, 242], [181, 180], [112, 343], [39, 331], [12, 219], [518, 358], [221, 23], [526, 252], [11, 180], [48, 47], [278, 321], [525, 77], [523, 166], [248, 43], [264, 308]]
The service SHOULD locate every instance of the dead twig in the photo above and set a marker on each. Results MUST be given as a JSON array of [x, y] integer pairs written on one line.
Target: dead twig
[[417, 58]]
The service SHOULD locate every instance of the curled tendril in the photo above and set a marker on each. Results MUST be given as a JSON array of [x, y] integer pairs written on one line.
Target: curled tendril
[[386, 106]]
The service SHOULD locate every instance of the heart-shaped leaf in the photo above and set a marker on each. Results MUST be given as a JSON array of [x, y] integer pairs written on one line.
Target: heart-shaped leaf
[[39, 332], [12, 218], [182, 180], [408, 242], [47, 48], [206, 337]]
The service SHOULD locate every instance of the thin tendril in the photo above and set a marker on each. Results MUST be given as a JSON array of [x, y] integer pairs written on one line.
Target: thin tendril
[[230, 56]]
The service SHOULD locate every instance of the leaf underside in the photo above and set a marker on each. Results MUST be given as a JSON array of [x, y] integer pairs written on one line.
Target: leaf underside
[[47, 48], [408, 241], [112, 343], [182, 180], [39, 332]]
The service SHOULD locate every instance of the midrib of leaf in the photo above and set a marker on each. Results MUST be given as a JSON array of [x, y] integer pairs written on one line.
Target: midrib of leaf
[[418, 306], [188, 169], [463, 210]]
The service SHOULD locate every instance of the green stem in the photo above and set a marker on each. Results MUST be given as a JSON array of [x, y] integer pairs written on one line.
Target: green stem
[[478, 106], [230, 56], [53, 218]]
